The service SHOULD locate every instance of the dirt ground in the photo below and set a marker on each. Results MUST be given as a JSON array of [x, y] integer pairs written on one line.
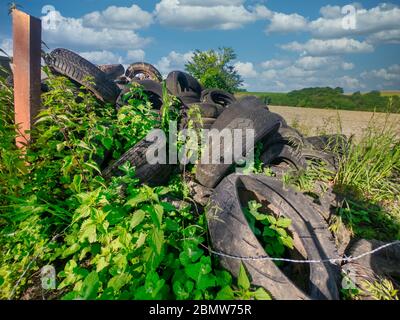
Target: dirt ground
[[322, 121]]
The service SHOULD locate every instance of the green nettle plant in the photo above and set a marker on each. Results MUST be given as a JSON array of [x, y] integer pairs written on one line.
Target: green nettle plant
[[116, 239], [272, 231]]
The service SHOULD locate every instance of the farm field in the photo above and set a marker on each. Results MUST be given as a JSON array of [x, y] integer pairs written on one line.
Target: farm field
[[333, 98], [313, 121]]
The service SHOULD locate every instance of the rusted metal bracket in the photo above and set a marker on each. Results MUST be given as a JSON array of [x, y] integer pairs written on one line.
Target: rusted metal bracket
[[27, 35]]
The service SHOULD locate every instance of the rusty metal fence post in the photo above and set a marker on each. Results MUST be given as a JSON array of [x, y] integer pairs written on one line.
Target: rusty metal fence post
[[27, 35]]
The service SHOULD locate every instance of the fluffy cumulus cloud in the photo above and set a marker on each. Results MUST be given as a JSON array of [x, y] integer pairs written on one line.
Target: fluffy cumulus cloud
[[72, 33], [372, 23], [197, 15], [135, 56], [246, 69], [102, 57], [124, 18], [275, 63], [7, 46], [318, 47], [391, 74], [108, 57], [306, 71], [315, 63], [281, 22], [367, 21], [388, 36], [349, 83], [173, 61]]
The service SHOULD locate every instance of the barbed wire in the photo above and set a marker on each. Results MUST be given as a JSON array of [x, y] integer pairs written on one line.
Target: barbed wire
[[331, 260]]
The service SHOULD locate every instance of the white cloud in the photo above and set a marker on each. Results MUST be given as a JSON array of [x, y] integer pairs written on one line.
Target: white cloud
[[173, 61], [331, 12], [317, 47], [108, 57], [380, 18], [102, 57], [391, 73], [327, 63], [135, 56], [388, 36], [347, 66], [7, 46], [197, 15], [281, 22], [274, 63], [211, 3], [70, 32], [349, 83], [375, 23], [124, 18], [246, 69]]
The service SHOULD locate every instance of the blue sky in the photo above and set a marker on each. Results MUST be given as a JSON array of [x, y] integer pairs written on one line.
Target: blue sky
[[281, 45]]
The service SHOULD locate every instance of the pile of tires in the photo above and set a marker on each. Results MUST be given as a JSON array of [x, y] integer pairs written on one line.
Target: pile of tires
[[283, 149]]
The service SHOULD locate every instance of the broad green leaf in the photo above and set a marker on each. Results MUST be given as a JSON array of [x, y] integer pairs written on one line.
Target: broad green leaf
[[140, 241], [119, 281], [243, 279], [90, 287], [282, 232], [206, 281], [261, 294], [101, 264], [268, 232], [272, 220], [76, 183], [137, 218], [92, 166], [284, 222], [157, 239], [71, 250], [88, 231], [137, 199], [288, 242], [226, 293]]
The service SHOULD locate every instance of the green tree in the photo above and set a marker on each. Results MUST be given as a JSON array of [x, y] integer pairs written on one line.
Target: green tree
[[214, 69]]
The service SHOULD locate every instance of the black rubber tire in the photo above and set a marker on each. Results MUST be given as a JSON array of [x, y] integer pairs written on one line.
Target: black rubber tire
[[113, 71], [180, 83], [217, 96], [286, 135], [252, 100], [156, 174], [231, 234], [335, 143], [380, 265], [152, 89], [329, 159], [208, 110], [278, 153], [148, 72], [263, 122], [189, 97], [384, 263], [73, 66]]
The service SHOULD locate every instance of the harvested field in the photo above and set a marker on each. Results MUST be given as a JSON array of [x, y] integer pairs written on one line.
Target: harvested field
[[321, 121]]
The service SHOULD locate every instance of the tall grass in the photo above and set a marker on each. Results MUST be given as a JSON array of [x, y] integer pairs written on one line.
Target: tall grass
[[371, 168]]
